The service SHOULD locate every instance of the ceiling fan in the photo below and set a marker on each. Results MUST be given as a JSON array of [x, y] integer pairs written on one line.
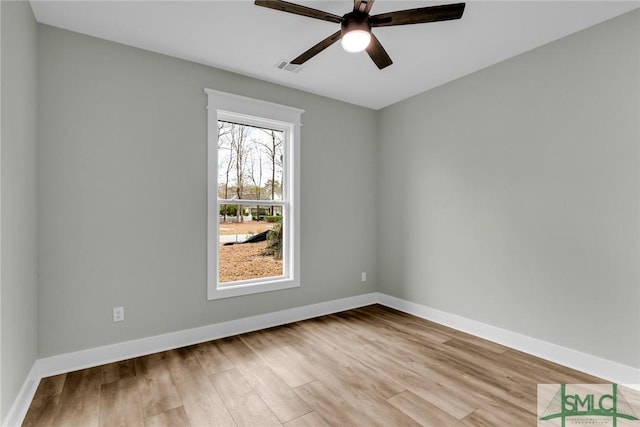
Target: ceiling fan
[[355, 26]]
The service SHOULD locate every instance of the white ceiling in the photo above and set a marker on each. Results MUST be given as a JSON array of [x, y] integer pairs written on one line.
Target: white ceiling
[[241, 37]]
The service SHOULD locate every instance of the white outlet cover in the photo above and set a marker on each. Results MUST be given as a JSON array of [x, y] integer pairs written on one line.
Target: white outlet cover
[[118, 314]]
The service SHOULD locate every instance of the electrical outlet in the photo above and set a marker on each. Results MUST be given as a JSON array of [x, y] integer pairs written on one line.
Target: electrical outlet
[[364, 276], [118, 314]]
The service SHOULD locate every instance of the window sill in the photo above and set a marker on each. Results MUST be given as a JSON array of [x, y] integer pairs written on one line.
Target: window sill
[[251, 288]]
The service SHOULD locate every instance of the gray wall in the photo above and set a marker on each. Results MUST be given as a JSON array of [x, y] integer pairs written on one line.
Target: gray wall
[[122, 193], [18, 192], [511, 196]]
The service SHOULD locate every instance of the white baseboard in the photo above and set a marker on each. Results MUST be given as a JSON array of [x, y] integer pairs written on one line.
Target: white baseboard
[[596, 366], [126, 350], [606, 369], [18, 410]]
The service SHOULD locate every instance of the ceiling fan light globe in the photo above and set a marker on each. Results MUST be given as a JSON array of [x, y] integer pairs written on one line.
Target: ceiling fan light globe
[[356, 40]]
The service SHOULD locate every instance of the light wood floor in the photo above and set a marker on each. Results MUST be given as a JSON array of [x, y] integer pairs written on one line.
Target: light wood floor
[[371, 366]]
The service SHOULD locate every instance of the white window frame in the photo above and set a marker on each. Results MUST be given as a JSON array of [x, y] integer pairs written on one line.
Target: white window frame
[[253, 112]]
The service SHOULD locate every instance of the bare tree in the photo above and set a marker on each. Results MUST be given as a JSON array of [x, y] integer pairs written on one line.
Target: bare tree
[[239, 149], [256, 176], [223, 130], [274, 151], [225, 162]]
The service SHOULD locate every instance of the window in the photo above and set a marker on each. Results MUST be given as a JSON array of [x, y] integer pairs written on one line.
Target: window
[[253, 196]]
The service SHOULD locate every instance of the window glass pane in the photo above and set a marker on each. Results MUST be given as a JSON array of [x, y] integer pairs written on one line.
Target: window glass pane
[[250, 162], [250, 243]]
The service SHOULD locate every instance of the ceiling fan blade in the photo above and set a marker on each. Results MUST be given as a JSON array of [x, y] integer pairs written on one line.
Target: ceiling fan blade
[[418, 16], [304, 57], [378, 54], [298, 10], [363, 5]]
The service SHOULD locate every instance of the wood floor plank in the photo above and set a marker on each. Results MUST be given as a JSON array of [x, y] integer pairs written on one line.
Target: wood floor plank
[[242, 401], [454, 401], [333, 408], [120, 403], [412, 325], [118, 371], [339, 369], [212, 359], [50, 386], [362, 408], [435, 362], [348, 378], [487, 374], [438, 389], [42, 415], [176, 417], [548, 372], [311, 419], [289, 367], [356, 319], [158, 392], [500, 414], [420, 326], [280, 398], [443, 384], [45, 402], [201, 402], [423, 412], [79, 403]]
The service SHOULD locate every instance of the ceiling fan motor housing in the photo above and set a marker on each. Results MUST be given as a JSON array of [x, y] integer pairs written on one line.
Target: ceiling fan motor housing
[[355, 20]]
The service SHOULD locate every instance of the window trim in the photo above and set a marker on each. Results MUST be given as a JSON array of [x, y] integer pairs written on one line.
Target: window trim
[[221, 106]]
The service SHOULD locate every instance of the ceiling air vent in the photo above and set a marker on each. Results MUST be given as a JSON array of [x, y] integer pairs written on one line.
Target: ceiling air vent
[[287, 66]]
